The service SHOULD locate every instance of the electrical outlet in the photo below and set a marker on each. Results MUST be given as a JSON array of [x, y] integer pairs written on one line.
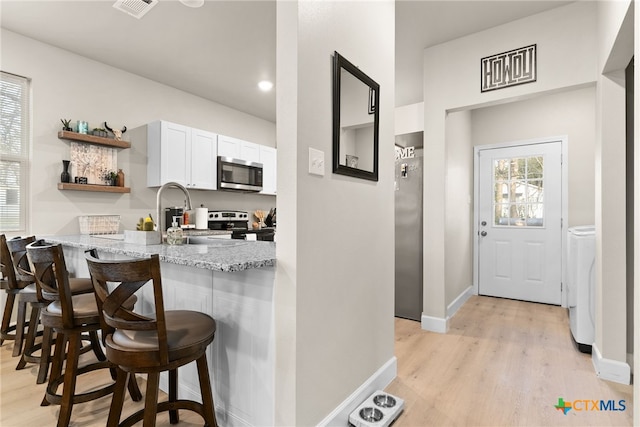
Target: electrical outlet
[[316, 162]]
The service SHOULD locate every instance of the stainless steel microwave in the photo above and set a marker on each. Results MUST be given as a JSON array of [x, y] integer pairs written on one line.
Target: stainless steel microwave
[[239, 175]]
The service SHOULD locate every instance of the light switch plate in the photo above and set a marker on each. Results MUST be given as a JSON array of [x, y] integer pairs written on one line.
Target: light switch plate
[[316, 162]]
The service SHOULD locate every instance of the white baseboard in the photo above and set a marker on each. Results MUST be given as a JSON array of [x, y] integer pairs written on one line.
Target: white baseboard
[[453, 308], [630, 361], [440, 325], [609, 369], [378, 381], [434, 324]]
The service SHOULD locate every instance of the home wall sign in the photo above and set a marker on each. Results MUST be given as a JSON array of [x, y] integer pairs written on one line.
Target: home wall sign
[[507, 69], [405, 152]]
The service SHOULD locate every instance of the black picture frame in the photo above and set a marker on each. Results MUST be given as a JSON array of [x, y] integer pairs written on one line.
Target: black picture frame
[[340, 63]]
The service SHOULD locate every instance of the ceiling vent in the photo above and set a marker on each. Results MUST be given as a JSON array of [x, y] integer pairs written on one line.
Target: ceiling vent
[[135, 8]]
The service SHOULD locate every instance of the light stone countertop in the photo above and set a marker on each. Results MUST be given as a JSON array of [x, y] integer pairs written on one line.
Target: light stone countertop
[[218, 255]]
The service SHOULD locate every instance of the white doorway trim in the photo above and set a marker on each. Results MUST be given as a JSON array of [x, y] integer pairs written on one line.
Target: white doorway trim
[[564, 139]]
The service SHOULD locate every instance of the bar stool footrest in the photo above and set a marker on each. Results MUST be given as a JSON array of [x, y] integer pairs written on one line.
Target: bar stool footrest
[[52, 397], [9, 334], [188, 405]]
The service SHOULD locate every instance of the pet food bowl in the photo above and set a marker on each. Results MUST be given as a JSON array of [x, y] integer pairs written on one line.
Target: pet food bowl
[[372, 415], [384, 401], [380, 409]]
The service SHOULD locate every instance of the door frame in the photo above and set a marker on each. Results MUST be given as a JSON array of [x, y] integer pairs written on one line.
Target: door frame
[[564, 194]]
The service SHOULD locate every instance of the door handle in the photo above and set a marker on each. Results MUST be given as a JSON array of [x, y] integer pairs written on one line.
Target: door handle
[[483, 233]]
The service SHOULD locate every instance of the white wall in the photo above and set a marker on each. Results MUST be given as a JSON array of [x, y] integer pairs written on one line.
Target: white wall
[[459, 201], [409, 118], [636, 218], [452, 83], [336, 264], [65, 85], [615, 44]]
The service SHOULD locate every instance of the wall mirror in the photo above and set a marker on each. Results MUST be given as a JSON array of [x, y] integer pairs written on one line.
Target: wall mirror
[[355, 121]]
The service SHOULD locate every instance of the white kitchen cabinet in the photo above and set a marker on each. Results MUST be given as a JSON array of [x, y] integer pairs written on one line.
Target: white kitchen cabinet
[[238, 149], [181, 154], [204, 164], [268, 158], [250, 152], [228, 147]]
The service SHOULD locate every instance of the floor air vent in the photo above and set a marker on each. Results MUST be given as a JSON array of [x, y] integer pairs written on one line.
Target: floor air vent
[[135, 8], [379, 410]]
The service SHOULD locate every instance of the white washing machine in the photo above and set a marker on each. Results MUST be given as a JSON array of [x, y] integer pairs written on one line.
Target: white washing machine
[[581, 264]]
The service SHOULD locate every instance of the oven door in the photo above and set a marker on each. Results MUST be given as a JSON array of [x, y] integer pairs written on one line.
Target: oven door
[[239, 175]]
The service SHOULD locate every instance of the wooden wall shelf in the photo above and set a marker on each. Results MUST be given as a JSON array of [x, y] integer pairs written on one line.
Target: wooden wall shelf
[[109, 142], [93, 187]]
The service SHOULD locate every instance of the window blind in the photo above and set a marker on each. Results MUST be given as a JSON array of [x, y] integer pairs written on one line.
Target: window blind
[[14, 151]]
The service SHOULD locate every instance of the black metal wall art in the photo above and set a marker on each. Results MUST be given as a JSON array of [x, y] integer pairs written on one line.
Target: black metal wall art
[[515, 67]]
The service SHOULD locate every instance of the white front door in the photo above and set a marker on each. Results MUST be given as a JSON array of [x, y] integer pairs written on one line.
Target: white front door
[[520, 222]]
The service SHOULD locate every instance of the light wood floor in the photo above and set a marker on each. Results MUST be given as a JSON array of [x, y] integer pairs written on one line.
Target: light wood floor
[[503, 363], [20, 398]]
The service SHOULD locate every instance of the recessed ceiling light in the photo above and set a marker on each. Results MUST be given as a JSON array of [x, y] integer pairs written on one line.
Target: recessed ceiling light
[[265, 85], [192, 3]]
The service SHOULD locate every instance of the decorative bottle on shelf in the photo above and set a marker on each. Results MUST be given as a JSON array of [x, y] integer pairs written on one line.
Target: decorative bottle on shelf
[[120, 178], [174, 233], [64, 176], [185, 215]]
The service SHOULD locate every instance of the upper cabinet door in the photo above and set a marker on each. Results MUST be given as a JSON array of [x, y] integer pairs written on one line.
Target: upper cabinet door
[[168, 153], [175, 148], [238, 149], [228, 147], [268, 158], [203, 160], [177, 153], [249, 152]]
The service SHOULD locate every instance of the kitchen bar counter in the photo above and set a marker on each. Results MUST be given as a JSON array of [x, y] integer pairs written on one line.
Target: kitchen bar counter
[[233, 282], [218, 255]]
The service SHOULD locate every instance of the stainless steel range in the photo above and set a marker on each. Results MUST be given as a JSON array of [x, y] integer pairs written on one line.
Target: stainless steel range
[[238, 223], [228, 220]]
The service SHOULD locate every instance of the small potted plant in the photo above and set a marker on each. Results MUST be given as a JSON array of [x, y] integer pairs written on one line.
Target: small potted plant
[[110, 177], [66, 125]]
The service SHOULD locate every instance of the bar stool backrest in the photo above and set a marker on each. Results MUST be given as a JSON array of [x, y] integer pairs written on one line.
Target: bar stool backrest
[[6, 265], [51, 275], [13, 257], [130, 276]]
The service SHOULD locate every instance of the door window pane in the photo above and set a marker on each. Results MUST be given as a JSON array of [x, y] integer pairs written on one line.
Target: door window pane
[[519, 191]]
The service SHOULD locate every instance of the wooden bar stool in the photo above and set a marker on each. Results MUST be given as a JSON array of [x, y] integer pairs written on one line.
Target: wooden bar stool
[[29, 295], [139, 344], [38, 301], [69, 316], [14, 285]]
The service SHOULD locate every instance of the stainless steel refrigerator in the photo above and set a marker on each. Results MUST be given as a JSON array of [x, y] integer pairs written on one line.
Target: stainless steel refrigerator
[[408, 220]]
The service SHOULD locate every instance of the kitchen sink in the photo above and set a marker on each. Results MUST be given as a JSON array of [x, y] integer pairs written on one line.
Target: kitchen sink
[[214, 241]]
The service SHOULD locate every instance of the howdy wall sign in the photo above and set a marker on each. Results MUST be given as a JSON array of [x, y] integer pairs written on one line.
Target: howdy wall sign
[[507, 69]]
